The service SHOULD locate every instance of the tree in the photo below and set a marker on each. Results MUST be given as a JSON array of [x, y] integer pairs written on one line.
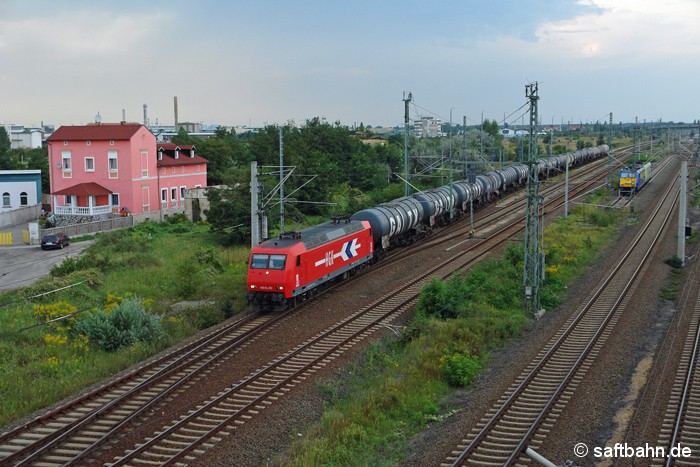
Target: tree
[[5, 142], [184, 138]]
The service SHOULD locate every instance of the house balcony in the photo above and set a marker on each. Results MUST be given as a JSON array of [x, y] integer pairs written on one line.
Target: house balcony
[[82, 210]]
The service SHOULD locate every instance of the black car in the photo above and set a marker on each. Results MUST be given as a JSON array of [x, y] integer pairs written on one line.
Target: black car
[[54, 240]]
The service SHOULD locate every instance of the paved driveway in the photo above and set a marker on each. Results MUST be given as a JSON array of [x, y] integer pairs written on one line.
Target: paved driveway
[[23, 265]]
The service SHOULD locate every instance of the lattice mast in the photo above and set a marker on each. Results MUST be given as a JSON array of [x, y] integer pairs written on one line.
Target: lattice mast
[[533, 254], [406, 102]]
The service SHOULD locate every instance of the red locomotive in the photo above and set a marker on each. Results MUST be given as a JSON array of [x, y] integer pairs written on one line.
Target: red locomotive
[[289, 268]]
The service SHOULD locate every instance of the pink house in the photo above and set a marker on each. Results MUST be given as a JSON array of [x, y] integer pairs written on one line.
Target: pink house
[[102, 168]]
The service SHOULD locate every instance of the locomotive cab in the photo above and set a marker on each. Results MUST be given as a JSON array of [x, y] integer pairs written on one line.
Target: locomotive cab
[[286, 269], [270, 273]]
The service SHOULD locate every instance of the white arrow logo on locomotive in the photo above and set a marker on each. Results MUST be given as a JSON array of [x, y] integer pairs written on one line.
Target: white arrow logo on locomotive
[[349, 250]]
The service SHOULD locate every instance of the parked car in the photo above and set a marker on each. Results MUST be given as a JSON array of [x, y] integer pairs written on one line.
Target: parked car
[[54, 240]]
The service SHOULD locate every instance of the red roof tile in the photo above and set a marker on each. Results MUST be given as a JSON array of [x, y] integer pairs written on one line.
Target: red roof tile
[[168, 152], [84, 189], [95, 132]]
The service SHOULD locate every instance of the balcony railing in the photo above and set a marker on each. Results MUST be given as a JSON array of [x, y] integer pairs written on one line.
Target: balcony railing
[[82, 211]]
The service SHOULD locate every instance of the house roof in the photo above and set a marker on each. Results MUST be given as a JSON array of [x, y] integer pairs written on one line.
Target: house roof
[[96, 132], [168, 152], [84, 189]]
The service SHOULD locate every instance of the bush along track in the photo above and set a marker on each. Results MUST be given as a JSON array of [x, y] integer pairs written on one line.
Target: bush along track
[[99, 313], [398, 386]]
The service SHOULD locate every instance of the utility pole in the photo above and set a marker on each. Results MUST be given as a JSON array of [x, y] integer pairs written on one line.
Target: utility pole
[[254, 215], [452, 197], [610, 152], [406, 100], [281, 183], [635, 154], [464, 143], [481, 136], [533, 255], [682, 212]]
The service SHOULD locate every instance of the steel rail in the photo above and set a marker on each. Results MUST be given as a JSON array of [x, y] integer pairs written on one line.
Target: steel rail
[[552, 350]]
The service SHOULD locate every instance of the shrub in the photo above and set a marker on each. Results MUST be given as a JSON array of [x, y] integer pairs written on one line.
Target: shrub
[[459, 369], [70, 265], [433, 299], [125, 325]]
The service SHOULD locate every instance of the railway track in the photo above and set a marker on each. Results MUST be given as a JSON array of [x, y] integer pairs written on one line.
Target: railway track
[[74, 432], [202, 428], [523, 417], [681, 422]]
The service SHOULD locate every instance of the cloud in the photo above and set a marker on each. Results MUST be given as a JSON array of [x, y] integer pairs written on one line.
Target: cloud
[[78, 35], [631, 30]]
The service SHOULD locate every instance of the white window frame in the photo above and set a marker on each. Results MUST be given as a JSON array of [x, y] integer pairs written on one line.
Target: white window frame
[[66, 165], [92, 163], [112, 156], [6, 200], [24, 199], [164, 197], [111, 199], [144, 161], [182, 192], [87, 142]]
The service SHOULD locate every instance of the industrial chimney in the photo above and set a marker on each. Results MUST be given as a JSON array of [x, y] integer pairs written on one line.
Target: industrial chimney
[[145, 115], [175, 103], [123, 116]]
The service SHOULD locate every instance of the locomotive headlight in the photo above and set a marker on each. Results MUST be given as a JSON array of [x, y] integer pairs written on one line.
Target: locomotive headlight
[[280, 288], [253, 286]]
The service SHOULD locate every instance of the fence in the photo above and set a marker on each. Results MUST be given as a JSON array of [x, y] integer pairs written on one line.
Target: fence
[[88, 228]]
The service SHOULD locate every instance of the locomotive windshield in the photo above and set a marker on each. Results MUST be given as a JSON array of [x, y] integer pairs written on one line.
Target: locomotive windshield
[[277, 261], [261, 261]]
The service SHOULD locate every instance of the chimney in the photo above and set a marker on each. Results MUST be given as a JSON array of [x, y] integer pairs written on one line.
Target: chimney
[[175, 104], [123, 116], [145, 115]]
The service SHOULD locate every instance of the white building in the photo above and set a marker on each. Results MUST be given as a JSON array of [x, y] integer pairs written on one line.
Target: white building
[[20, 196], [426, 127], [24, 138]]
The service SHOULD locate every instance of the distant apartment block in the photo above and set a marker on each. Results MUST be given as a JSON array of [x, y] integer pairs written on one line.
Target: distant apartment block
[[427, 127], [26, 138]]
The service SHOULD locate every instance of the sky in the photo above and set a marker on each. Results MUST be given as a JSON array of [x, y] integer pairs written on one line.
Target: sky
[[257, 62]]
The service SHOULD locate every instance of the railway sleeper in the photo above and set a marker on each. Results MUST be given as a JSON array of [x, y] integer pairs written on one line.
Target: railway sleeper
[[187, 429], [55, 459], [20, 443], [146, 461]]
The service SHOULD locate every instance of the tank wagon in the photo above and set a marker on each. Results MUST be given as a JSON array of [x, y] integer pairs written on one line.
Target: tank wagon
[[632, 179], [290, 268]]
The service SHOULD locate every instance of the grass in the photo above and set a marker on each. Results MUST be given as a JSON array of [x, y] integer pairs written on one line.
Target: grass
[[400, 386], [182, 259]]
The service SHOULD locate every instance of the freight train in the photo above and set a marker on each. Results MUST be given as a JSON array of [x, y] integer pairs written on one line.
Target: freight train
[[296, 265], [632, 179]]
